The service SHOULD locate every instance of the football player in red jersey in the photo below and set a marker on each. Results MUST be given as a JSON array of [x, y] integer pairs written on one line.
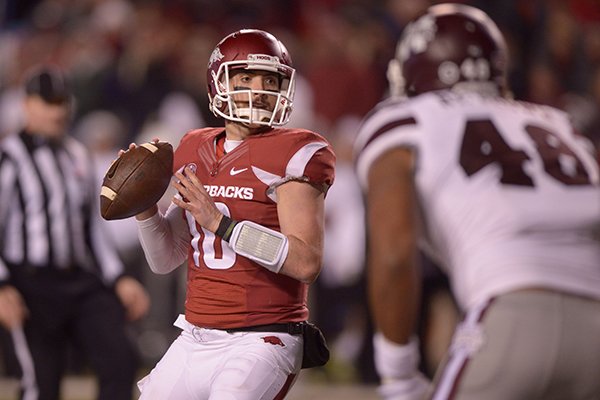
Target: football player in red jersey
[[505, 197], [248, 218]]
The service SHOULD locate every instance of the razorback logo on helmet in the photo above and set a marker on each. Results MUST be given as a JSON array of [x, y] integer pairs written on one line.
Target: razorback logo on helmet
[[215, 56]]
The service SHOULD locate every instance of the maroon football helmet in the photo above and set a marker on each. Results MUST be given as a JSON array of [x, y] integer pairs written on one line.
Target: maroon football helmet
[[250, 49], [451, 45]]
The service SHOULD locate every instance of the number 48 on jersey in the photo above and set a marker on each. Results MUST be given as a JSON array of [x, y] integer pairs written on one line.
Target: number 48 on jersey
[[483, 145]]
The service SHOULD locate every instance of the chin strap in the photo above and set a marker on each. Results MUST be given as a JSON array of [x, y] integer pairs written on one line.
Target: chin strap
[[254, 114]]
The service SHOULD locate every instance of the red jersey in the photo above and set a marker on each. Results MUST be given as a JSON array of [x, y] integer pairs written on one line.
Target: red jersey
[[224, 289]]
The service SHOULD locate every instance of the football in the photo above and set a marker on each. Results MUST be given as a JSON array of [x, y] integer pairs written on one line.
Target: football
[[136, 180]]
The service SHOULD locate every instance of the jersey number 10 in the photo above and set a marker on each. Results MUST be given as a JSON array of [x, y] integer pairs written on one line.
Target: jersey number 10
[[483, 145]]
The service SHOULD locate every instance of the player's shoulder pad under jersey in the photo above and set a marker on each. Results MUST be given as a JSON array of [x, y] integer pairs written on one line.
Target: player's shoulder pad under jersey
[[384, 118], [293, 136], [295, 153], [190, 142]]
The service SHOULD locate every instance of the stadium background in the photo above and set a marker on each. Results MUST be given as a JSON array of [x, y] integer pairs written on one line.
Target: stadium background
[[138, 71]]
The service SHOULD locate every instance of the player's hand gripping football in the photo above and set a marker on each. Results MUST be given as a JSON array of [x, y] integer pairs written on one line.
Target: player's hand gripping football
[[197, 201]]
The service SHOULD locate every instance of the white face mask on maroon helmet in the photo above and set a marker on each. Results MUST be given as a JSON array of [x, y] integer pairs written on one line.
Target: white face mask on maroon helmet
[[251, 50]]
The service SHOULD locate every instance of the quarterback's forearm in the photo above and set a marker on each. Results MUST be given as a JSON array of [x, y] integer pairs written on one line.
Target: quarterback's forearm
[[164, 240], [303, 261]]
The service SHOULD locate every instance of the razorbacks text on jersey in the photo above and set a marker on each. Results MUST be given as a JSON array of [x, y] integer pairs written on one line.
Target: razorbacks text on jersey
[[533, 187], [226, 290]]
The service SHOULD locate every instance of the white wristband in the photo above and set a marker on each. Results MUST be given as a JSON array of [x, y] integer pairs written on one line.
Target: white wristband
[[265, 246], [395, 361]]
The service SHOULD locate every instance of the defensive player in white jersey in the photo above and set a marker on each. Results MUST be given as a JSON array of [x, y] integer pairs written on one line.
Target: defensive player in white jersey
[[505, 196], [249, 220]]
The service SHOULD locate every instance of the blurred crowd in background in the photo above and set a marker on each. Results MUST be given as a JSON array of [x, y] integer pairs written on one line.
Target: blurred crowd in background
[[138, 71]]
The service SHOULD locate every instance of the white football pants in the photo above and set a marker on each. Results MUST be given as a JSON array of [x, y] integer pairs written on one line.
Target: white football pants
[[214, 364]]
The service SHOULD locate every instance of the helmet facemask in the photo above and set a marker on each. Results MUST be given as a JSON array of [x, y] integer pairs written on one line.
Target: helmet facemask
[[224, 104]]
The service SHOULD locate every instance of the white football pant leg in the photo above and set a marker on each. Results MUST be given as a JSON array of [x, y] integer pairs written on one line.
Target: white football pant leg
[[260, 367]]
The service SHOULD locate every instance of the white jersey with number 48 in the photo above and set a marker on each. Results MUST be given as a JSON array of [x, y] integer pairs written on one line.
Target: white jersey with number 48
[[509, 194]]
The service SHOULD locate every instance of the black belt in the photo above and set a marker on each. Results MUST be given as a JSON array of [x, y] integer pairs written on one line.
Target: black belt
[[293, 328]]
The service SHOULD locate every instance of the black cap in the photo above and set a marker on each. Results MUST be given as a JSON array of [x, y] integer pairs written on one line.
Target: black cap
[[49, 83]]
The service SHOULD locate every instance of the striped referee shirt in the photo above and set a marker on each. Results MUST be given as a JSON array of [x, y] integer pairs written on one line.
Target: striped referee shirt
[[49, 214]]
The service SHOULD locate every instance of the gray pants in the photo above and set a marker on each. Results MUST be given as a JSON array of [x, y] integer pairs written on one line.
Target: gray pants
[[529, 344]]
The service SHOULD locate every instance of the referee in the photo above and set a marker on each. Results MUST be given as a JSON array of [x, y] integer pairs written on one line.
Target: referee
[[61, 281]]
